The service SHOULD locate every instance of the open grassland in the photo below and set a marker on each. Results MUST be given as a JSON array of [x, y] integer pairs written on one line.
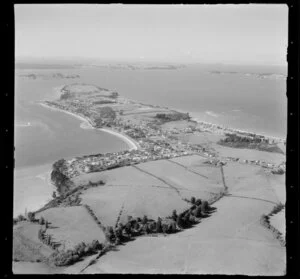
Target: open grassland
[[154, 189], [184, 181], [278, 222], [251, 182], [26, 245], [231, 242], [249, 154], [71, 225]]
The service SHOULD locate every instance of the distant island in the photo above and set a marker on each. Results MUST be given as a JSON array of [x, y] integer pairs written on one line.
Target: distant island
[[136, 66], [49, 76], [256, 75]]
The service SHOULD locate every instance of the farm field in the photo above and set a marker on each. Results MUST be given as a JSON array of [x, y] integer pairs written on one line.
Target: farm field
[[71, 225], [232, 241]]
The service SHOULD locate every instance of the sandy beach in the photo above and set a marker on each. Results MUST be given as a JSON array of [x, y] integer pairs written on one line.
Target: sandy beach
[[86, 124], [132, 144]]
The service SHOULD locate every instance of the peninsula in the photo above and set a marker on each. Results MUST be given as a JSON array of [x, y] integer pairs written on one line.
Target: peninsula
[[193, 181]]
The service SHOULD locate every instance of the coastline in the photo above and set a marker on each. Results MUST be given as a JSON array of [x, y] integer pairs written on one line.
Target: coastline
[[32, 188], [88, 125], [134, 146]]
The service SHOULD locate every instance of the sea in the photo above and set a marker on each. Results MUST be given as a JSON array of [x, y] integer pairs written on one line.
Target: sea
[[42, 135]]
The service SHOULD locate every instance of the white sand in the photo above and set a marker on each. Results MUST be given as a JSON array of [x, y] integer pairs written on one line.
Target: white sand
[[132, 144], [86, 124]]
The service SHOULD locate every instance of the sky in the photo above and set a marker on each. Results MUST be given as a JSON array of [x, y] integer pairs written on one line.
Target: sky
[[234, 34]]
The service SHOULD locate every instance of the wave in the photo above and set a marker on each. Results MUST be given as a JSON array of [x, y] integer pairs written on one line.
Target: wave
[[28, 124], [211, 113]]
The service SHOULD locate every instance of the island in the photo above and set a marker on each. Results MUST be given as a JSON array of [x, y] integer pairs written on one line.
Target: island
[[182, 186], [255, 75], [33, 76]]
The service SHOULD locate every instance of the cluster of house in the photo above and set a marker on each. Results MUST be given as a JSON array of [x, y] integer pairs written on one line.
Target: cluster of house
[[155, 144]]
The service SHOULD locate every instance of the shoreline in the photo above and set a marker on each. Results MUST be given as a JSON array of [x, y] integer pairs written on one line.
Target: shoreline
[[36, 181], [130, 142], [134, 146]]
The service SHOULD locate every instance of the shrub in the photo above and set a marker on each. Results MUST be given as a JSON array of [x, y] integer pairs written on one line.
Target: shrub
[[54, 195]]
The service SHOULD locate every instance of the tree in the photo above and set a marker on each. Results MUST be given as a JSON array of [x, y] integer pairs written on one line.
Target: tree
[[204, 206], [147, 228], [42, 221], [79, 249], [31, 216], [192, 219], [96, 245], [152, 226], [109, 233], [164, 228], [198, 211], [186, 219], [172, 226], [179, 221], [40, 234], [198, 202], [145, 220], [119, 235], [174, 215], [193, 200], [46, 224], [54, 195], [128, 229], [158, 225]]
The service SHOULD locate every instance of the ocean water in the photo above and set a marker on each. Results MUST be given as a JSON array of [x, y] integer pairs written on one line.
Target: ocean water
[[43, 135], [233, 100]]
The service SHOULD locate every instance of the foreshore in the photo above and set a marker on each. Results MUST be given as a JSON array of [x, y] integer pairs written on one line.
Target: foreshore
[[32, 188], [130, 142]]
